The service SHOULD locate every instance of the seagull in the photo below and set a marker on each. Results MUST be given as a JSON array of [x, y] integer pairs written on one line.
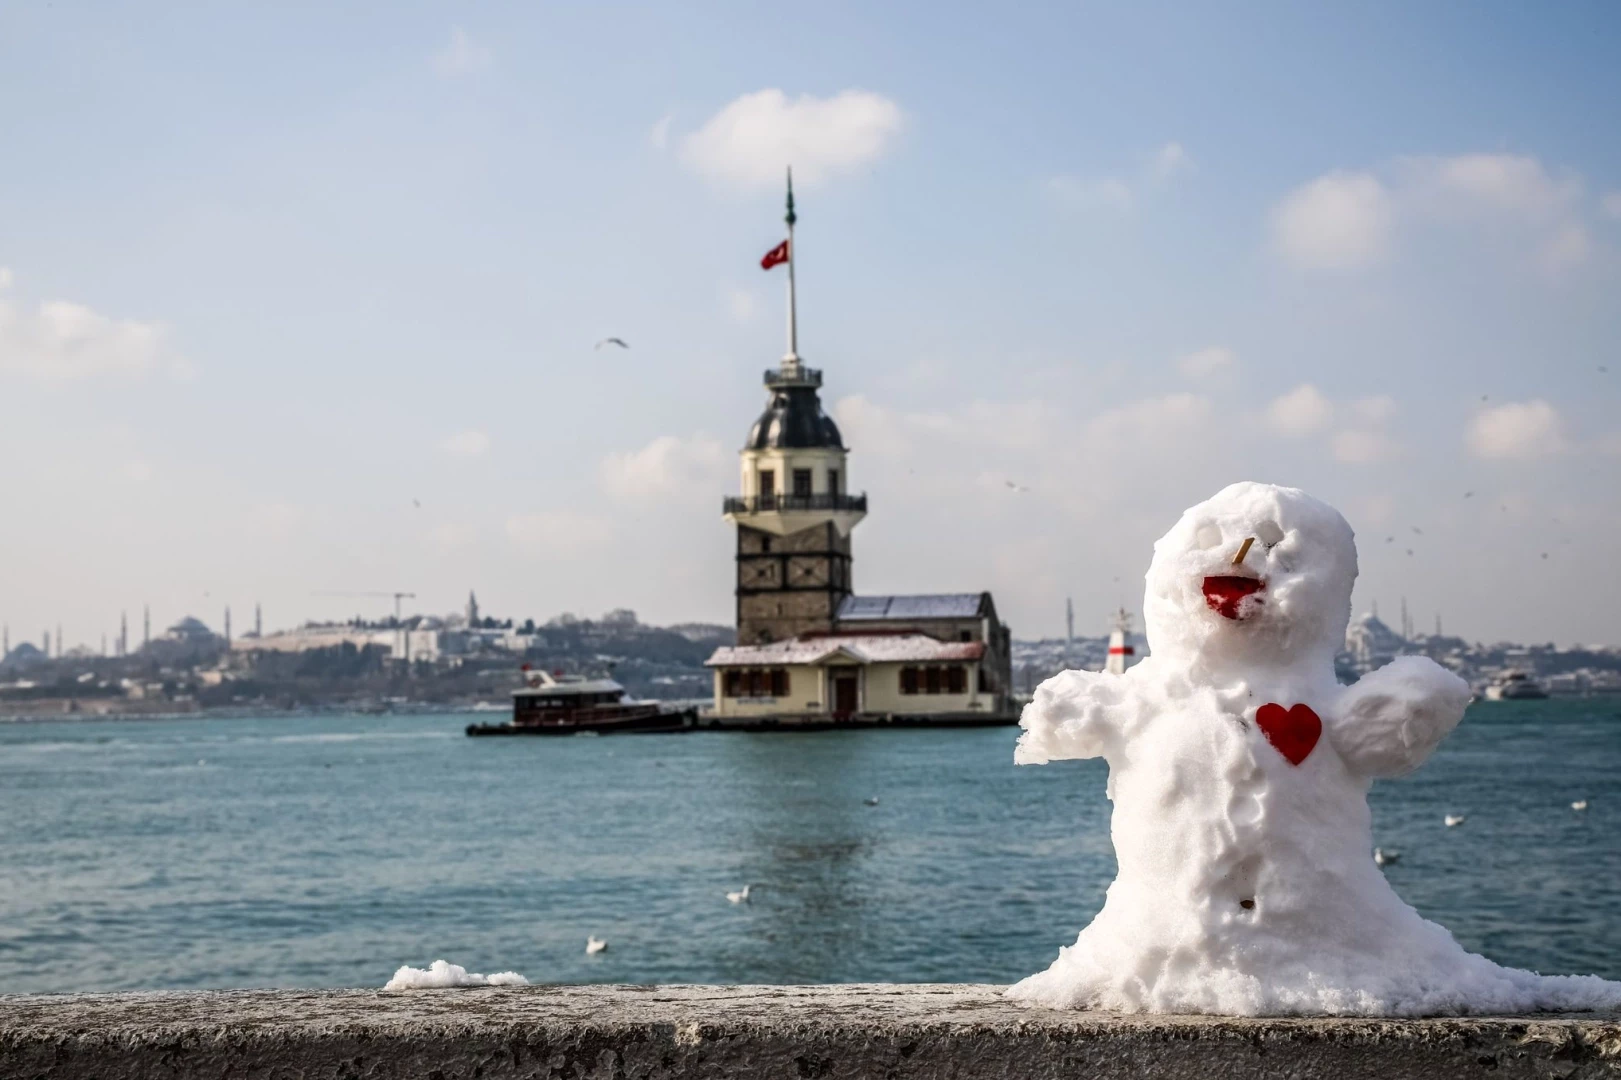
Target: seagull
[[1382, 857], [871, 800], [417, 503], [594, 944], [1454, 819], [1544, 554], [611, 341], [741, 896], [1017, 488], [1579, 805], [1417, 531], [1469, 494]]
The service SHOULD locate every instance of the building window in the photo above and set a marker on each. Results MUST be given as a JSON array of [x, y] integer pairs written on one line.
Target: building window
[[765, 544], [756, 683], [832, 481], [802, 483], [934, 679], [965, 635], [768, 483]]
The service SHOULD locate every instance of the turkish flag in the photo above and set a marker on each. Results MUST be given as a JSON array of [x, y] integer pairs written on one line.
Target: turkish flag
[[778, 254]]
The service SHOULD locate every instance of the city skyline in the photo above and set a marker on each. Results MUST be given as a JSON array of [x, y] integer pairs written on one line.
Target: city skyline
[[308, 302]]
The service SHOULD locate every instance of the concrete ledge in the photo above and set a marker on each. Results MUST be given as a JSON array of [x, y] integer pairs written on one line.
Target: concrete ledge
[[776, 1032]]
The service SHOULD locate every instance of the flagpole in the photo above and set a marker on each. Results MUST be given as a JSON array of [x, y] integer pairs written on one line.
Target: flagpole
[[793, 319]]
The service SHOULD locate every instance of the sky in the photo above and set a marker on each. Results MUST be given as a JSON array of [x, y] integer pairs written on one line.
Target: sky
[[301, 299]]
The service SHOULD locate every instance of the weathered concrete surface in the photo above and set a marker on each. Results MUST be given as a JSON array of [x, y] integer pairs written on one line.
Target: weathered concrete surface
[[775, 1032]]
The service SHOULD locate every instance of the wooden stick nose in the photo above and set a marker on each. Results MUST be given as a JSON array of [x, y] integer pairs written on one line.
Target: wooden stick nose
[[1243, 550]]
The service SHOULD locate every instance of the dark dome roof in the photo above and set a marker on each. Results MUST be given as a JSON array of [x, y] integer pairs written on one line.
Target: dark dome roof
[[794, 420]]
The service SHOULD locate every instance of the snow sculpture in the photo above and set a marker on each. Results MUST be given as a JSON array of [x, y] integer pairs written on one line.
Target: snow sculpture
[[1239, 769]]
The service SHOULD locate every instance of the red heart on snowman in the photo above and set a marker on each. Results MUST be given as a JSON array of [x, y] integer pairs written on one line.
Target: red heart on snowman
[[1293, 731]]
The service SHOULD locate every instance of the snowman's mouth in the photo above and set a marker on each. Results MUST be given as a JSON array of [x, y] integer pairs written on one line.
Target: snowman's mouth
[[1226, 595]]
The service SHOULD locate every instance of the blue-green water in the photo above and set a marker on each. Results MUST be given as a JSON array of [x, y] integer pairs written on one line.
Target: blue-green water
[[328, 851]]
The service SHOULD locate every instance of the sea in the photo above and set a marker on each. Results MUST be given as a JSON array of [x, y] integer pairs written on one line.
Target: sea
[[327, 851]]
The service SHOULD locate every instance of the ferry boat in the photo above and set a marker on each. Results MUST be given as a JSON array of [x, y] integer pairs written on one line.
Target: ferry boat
[[1514, 686], [573, 705]]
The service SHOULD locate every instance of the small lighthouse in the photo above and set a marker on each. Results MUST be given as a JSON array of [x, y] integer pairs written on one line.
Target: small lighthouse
[[1120, 650]]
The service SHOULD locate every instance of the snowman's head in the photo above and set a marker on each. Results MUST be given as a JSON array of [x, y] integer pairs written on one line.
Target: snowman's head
[[1286, 599]]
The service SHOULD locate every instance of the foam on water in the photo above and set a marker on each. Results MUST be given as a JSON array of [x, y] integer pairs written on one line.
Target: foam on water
[[441, 974]]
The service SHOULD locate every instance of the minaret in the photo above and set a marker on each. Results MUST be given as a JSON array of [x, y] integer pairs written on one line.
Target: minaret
[[146, 625], [258, 622], [794, 515], [227, 626], [472, 610], [1120, 650], [123, 633]]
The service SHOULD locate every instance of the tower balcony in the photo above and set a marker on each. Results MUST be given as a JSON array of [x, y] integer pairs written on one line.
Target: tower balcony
[[783, 515], [793, 375]]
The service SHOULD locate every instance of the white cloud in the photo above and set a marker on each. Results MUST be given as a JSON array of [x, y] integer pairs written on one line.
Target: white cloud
[[1077, 193], [1301, 411], [1569, 246], [5, 278], [1340, 221], [660, 135], [740, 304], [1517, 430], [749, 143], [557, 533], [61, 341], [452, 536], [1207, 361], [1374, 410], [462, 55], [1169, 160], [1610, 205], [465, 444], [1512, 184], [1357, 446], [667, 467]]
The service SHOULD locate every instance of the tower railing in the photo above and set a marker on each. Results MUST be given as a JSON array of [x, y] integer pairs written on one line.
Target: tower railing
[[754, 504], [795, 376]]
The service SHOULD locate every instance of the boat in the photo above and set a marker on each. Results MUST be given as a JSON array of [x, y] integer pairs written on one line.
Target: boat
[[1514, 686], [557, 704]]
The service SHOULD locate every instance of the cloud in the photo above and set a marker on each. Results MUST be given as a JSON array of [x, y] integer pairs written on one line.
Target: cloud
[[1518, 430], [1341, 221], [1079, 194], [1374, 410], [1302, 411], [660, 135], [5, 278], [667, 467], [750, 141], [1169, 160], [1208, 361], [1351, 220], [1610, 205], [1358, 446], [462, 55], [465, 444], [61, 341], [551, 534]]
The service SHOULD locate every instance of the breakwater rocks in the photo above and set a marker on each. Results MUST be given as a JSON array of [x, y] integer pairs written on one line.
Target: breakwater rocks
[[775, 1032]]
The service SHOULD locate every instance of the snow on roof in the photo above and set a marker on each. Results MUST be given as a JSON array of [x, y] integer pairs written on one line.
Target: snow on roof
[[863, 649], [885, 608]]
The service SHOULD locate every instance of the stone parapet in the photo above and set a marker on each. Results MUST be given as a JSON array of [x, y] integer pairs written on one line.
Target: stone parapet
[[764, 1032]]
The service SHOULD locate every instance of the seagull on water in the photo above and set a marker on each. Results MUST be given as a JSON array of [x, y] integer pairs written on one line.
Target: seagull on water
[[739, 896], [1454, 819], [594, 944], [1579, 805], [1385, 858], [611, 341], [871, 800]]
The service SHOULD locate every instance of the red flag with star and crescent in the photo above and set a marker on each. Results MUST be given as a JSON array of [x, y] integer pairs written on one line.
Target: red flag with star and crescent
[[776, 255]]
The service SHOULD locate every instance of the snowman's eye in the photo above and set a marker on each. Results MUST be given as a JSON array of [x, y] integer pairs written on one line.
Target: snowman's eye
[[1208, 536], [1268, 533]]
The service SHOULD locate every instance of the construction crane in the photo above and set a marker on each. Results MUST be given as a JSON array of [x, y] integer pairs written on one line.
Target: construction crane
[[398, 596]]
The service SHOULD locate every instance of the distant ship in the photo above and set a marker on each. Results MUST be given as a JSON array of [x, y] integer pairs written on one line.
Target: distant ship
[[1514, 686], [574, 705]]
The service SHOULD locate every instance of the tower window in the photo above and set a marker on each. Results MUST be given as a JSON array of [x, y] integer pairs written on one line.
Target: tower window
[[832, 481], [802, 483], [765, 544], [768, 484]]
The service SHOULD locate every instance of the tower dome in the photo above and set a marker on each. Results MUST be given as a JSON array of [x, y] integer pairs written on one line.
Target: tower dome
[[793, 419]]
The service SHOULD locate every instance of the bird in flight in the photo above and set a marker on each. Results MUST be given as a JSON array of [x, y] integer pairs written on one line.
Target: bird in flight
[[611, 341], [417, 503], [1015, 487]]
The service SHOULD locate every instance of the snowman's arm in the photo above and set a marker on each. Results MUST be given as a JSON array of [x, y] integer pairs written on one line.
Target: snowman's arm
[[1069, 717], [1389, 721]]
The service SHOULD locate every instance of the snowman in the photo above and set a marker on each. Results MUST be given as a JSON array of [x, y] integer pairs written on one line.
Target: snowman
[[1239, 770]]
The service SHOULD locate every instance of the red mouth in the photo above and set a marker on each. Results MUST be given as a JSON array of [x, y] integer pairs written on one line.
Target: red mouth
[[1226, 594]]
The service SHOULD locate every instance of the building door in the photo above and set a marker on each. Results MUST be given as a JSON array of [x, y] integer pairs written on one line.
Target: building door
[[844, 696]]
